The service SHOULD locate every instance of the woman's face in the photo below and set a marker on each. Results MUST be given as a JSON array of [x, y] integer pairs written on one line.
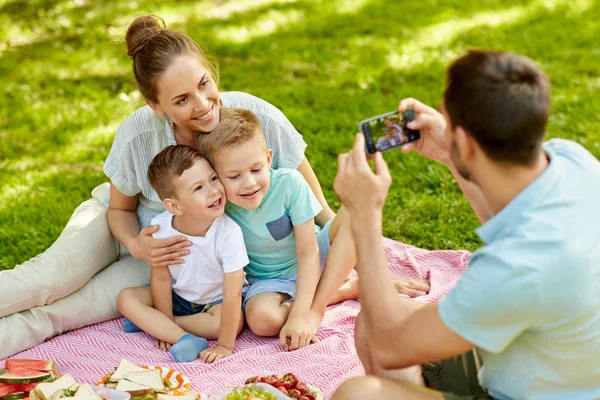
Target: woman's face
[[188, 95]]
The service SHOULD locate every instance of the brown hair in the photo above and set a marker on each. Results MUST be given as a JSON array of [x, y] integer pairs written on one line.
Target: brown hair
[[169, 164], [503, 100], [152, 47], [236, 126]]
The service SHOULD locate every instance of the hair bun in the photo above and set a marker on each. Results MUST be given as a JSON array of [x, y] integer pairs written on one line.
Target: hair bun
[[141, 31]]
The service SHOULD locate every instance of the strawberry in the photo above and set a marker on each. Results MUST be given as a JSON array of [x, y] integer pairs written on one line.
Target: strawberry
[[301, 386], [294, 394], [252, 380], [303, 397], [270, 379], [291, 378], [282, 390], [309, 396]]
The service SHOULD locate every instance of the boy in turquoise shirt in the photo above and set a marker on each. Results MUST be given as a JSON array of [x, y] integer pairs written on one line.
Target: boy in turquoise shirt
[[276, 210]]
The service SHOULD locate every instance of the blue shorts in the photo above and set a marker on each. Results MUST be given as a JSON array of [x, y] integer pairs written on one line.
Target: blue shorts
[[182, 307], [288, 286]]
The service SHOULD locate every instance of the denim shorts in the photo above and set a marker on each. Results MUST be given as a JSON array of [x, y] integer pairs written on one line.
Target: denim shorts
[[182, 307], [288, 286]]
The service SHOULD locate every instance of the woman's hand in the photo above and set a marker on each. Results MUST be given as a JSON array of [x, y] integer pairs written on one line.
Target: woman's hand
[[159, 252], [435, 143]]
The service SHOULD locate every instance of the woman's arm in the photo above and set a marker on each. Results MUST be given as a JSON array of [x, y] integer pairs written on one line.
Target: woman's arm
[[124, 226], [307, 172]]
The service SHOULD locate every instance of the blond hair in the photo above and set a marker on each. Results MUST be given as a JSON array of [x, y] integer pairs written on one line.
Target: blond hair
[[237, 126]]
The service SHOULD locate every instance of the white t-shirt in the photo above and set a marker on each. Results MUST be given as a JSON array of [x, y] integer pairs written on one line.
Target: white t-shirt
[[200, 278], [144, 134]]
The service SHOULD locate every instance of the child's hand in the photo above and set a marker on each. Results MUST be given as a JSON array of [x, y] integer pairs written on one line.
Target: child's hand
[[299, 334], [215, 353], [164, 346]]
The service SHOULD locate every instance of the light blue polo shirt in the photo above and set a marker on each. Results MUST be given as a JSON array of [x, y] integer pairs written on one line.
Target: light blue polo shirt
[[269, 230], [530, 300]]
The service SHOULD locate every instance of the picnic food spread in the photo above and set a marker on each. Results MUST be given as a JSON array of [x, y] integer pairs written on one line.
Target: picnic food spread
[[37, 380]]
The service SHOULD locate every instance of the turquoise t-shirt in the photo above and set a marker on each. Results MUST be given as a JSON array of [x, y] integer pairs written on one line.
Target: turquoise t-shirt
[[530, 300], [269, 230]]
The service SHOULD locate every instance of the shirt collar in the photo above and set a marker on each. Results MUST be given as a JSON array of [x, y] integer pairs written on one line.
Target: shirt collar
[[528, 198]]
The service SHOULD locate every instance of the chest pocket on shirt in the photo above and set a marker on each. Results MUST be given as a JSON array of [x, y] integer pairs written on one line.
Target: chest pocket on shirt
[[281, 227]]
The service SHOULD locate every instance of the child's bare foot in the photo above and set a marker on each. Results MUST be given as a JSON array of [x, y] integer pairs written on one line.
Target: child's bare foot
[[348, 291], [413, 288]]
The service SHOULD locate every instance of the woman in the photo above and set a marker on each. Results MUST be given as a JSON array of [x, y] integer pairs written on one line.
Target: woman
[[77, 280]]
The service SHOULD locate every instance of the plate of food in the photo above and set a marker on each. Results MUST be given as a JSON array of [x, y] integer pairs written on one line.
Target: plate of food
[[148, 381], [271, 387]]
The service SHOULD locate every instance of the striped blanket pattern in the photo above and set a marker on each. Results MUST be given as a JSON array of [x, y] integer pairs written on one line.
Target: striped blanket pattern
[[91, 352]]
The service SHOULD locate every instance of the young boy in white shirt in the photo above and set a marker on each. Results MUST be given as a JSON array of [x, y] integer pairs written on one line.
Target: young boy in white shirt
[[201, 298]]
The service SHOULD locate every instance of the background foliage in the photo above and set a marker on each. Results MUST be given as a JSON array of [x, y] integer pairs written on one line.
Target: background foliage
[[66, 84]]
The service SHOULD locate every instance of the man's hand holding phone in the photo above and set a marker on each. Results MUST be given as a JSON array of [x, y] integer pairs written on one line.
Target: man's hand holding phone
[[435, 142], [361, 191]]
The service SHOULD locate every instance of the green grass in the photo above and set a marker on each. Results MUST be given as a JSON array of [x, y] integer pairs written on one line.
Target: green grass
[[66, 85]]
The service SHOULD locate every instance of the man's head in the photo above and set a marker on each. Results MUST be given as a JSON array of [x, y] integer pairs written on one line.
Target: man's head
[[502, 102], [186, 183], [238, 151]]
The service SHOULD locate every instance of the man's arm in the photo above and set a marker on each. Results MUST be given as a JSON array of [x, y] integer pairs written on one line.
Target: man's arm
[[401, 332], [161, 288]]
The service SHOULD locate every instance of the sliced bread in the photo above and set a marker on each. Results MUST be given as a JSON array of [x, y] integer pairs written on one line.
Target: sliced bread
[[134, 389], [149, 378], [45, 390], [86, 392], [125, 367]]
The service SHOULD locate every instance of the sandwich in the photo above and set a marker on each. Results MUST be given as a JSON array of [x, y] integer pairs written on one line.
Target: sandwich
[[150, 378], [134, 389], [125, 367], [44, 391]]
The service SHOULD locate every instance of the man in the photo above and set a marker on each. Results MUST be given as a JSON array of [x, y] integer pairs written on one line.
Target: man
[[530, 301]]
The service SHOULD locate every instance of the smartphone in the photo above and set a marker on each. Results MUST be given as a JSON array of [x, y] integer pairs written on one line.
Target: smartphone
[[388, 131]]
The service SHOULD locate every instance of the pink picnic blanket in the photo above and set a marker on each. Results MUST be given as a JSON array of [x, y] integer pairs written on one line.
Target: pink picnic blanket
[[93, 351]]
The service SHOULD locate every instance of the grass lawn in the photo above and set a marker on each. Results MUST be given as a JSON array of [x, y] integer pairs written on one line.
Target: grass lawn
[[66, 84]]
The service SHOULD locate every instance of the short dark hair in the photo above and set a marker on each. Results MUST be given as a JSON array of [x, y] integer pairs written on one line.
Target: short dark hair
[[169, 164], [503, 100], [236, 126]]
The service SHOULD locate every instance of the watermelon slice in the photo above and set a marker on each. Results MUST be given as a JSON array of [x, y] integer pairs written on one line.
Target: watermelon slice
[[14, 396], [23, 376], [5, 388], [35, 364]]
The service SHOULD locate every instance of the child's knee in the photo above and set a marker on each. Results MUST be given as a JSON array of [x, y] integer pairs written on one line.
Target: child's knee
[[125, 299], [265, 322]]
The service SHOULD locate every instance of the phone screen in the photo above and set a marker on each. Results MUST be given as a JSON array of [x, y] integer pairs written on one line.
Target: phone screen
[[386, 132]]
